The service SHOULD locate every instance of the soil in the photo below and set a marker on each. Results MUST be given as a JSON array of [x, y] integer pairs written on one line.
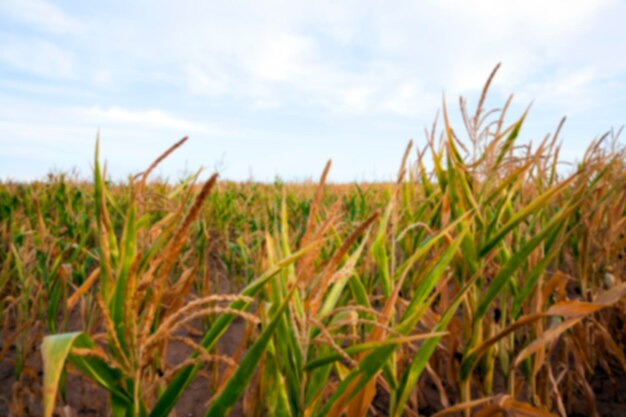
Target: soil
[[84, 398], [610, 393]]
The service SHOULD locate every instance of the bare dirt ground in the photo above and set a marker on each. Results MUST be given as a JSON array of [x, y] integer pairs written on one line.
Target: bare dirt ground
[[86, 399]]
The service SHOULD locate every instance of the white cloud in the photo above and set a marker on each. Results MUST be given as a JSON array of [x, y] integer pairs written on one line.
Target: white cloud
[[149, 119], [210, 82], [41, 15], [294, 69], [282, 57], [572, 91], [410, 99], [437, 46], [37, 56], [353, 57]]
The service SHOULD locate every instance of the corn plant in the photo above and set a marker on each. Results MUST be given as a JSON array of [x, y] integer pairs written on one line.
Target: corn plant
[[485, 272]]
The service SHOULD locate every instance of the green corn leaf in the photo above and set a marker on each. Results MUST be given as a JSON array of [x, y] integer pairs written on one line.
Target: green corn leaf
[[533, 277], [364, 347], [237, 383], [515, 261], [412, 374], [347, 271], [55, 352], [379, 251], [372, 364], [510, 140], [175, 389], [532, 208]]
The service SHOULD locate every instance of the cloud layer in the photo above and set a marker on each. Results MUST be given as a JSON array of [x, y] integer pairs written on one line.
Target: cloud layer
[[278, 87]]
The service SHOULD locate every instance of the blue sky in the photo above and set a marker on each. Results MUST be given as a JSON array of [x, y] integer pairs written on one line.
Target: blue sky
[[268, 88]]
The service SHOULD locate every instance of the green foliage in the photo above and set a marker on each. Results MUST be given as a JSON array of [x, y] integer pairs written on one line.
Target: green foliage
[[339, 295]]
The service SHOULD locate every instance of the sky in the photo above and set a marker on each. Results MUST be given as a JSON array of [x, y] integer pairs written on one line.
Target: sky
[[276, 88]]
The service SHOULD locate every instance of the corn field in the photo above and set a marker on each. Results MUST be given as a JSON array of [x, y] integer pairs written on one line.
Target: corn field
[[486, 280]]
